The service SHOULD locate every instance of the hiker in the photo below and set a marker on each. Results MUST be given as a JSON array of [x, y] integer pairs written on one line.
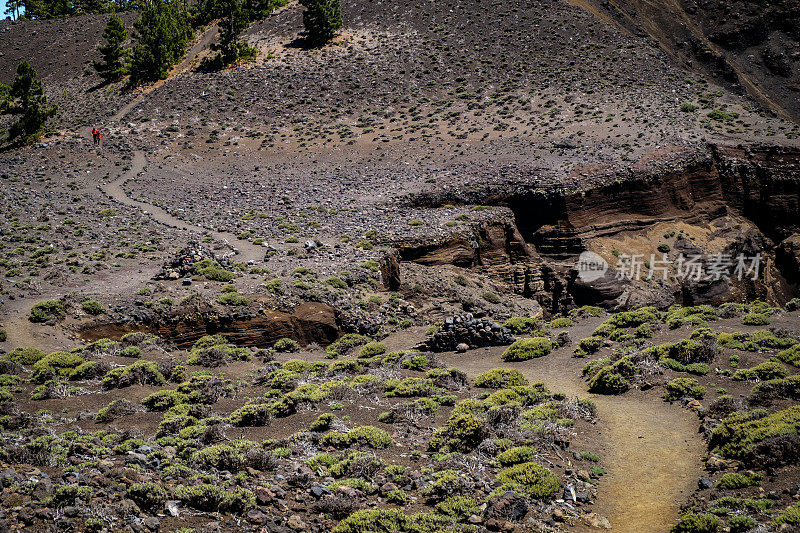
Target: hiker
[[94, 135], [98, 137]]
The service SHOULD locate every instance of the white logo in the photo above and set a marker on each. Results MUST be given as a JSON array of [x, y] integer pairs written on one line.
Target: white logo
[[591, 266]]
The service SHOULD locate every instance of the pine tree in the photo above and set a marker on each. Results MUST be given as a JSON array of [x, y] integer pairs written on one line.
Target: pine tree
[[321, 19], [229, 49], [163, 32], [112, 67], [28, 100]]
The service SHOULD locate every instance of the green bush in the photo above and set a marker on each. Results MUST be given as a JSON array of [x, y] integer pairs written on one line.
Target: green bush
[[524, 349], [741, 523], [208, 497], [561, 322], [251, 415], [372, 349], [520, 325], [143, 372], [500, 378], [534, 479], [368, 436], [345, 344], [390, 521], [233, 298], [735, 480], [680, 387], [588, 345], [322, 423], [24, 355], [211, 270], [755, 319], [739, 432], [56, 364], [147, 495], [790, 516], [92, 307], [763, 371], [517, 455], [613, 378], [163, 400], [790, 356], [286, 345], [696, 523], [46, 311]]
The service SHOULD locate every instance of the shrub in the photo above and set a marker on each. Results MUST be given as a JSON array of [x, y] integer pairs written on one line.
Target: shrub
[[397, 497], [251, 414], [463, 433], [561, 322], [790, 516], [147, 495], [211, 270], [755, 319], [517, 455], [446, 483], [741, 431], [790, 356], [115, 410], [372, 349], [500, 378], [131, 351], [345, 344], [163, 400], [681, 387], [46, 311], [491, 297], [388, 521], [590, 345], [322, 423], [520, 325], [286, 345], [534, 479], [614, 378], [92, 307], [24, 356], [56, 364], [233, 298], [763, 371], [734, 480], [143, 372], [207, 497], [524, 349], [696, 523], [369, 436], [741, 523]]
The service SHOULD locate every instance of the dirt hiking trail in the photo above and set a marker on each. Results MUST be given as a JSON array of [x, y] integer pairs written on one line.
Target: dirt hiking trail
[[650, 448], [247, 250]]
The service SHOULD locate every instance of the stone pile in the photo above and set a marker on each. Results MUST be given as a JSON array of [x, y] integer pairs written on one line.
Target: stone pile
[[182, 264], [463, 332]]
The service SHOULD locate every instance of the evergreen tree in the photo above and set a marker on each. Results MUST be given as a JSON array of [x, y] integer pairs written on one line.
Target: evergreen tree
[[321, 19], [112, 67], [28, 100], [163, 31], [229, 49]]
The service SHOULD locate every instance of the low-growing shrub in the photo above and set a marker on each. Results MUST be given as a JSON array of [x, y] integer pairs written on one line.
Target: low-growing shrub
[[533, 479], [517, 455], [681, 387], [147, 495], [345, 344], [371, 349], [741, 431], [755, 319], [500, 378], [524, 349], [142, 372], [763, 371], [735, 480], [46, 311], [696, 523], [368, 436]]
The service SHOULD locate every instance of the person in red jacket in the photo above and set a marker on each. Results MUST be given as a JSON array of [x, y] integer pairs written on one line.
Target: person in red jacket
[[95, 133]]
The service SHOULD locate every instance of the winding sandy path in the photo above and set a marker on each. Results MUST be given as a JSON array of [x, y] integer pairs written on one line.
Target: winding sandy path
[[650, 448], [247, 250]]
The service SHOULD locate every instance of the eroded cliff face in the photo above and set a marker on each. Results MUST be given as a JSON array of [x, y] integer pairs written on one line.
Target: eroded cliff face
[[310, 322], [728, 200]]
